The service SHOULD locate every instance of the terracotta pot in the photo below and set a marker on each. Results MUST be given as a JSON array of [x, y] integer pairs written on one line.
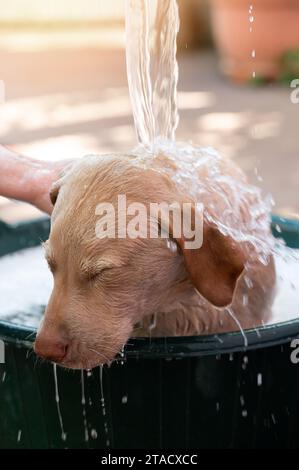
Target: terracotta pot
[[244, 53], [193, 24]]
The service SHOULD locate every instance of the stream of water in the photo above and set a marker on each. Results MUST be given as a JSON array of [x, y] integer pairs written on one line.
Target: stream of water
[[57, 399], [152, 69]]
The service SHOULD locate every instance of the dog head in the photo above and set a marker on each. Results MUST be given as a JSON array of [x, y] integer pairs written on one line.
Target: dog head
[[106, 281]]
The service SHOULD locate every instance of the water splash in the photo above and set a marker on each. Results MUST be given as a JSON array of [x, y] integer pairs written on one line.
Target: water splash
[[63, 433], [152, 77], [186, 164]]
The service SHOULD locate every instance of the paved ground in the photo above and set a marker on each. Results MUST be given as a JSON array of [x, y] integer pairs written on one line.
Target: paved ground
[[68, 101]]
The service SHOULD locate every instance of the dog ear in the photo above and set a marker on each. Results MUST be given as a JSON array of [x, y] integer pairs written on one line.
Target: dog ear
[[215, 266], [54, 191], [56, 186]]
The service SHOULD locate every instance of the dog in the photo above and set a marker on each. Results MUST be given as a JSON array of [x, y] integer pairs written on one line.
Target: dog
[[107, 289]]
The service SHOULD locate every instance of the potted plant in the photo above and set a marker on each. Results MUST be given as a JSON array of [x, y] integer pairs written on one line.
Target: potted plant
[[253, 36]]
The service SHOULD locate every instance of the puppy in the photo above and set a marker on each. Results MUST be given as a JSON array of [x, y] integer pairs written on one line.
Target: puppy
[[107, 289]]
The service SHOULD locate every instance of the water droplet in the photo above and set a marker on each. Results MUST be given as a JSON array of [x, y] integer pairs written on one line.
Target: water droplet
[[233, 316], [103, 404], [248, 282], [83, 401], [63, 433]]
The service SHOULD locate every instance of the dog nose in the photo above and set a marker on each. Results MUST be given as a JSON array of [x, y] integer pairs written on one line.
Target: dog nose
[[50, 348]]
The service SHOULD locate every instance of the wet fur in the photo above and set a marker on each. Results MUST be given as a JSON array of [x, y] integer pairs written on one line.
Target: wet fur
[[145, 288]]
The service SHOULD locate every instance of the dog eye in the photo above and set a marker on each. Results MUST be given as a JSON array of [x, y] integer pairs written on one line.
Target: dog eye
[[91, 277], [94, 276]]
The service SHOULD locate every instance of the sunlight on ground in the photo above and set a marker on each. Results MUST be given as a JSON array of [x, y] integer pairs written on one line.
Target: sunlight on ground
[[53, 111], [195, 99], [67, 109], [36, 11], [33, 41], [229, 122], [269, 126], [229, 132], [60, 148]]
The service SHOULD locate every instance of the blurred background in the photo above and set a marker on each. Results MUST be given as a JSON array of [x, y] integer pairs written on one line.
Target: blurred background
[[66, 95]]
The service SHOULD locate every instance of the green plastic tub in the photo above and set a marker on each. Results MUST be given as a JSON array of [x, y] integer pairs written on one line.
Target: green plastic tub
[[195, 392]]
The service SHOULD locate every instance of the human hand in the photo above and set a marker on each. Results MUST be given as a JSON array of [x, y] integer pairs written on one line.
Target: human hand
[[27, 179], [42, 180]]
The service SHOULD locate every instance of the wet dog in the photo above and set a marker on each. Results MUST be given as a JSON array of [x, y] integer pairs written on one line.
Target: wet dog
[[108, 288]]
